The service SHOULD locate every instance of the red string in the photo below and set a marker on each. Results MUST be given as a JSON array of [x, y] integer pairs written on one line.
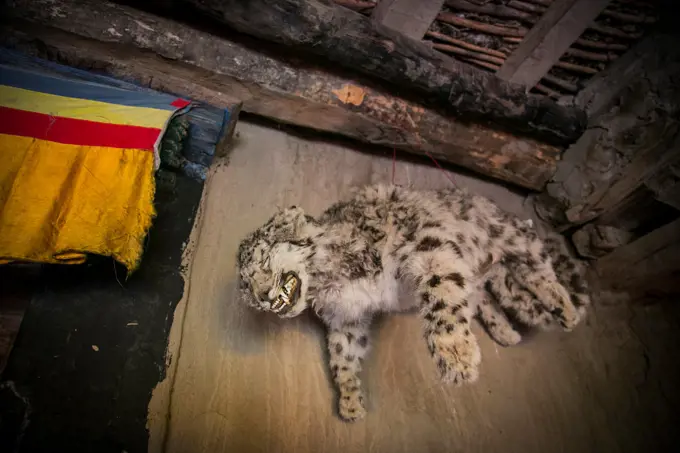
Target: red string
[[394, 166], [448, 176]]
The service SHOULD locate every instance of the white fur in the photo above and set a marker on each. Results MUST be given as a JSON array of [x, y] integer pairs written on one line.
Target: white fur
[[389, 249]]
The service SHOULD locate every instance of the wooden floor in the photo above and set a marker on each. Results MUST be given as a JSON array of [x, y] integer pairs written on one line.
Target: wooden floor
[[241, 381]]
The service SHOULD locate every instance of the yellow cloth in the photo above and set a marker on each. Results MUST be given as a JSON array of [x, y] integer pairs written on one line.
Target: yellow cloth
[[59, 202], [77, 163]]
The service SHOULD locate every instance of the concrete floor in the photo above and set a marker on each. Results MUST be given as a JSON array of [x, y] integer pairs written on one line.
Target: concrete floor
[[242, 381]]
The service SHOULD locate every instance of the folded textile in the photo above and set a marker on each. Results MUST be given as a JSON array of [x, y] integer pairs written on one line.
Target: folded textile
[[77, 169]]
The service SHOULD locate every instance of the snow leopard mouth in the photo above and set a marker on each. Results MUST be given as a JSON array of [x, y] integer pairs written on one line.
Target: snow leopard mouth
[[288, 293]]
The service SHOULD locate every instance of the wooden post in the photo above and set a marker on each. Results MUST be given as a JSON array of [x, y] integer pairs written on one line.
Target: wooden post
[[548, 39], [412, 18]]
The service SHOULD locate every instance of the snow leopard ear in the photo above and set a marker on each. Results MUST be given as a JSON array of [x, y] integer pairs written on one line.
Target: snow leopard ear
[[288, 223], [298, 218], [245, 250]]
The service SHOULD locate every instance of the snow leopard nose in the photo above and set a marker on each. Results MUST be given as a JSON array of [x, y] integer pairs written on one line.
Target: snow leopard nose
[[264, 296]]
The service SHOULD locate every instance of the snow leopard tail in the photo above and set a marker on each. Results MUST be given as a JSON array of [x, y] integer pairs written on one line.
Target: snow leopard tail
[[571, 273]]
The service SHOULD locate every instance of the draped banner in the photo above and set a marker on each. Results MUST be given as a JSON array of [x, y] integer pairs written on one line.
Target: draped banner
[[77, 167]]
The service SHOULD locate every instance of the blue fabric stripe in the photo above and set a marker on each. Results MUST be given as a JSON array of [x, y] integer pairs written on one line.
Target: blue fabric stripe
[[34, 81]]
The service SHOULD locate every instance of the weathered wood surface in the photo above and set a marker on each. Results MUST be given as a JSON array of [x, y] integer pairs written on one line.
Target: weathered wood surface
[[640, 211], [215, 70], [633, 136], [605, 87], [659, 147], [411, 18], [645, 261], [594, 241], [666, 184], [351, 40], [491, 9], [548, 39]]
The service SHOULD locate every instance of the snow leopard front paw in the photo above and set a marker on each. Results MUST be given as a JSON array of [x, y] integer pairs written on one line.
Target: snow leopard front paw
[[562, 309], [505, 336], [457, 358], [351, 406]]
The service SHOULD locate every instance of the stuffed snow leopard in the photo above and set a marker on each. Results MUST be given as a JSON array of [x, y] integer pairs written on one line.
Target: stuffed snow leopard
[[442, 246], [518, 302]]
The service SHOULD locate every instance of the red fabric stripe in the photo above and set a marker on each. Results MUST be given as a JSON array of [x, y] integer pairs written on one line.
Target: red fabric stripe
[[180, 103], [74, 131]]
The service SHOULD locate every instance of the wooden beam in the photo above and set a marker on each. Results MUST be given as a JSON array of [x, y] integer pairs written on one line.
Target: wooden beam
[[639, 210], [670, 196], [635, 265], [124, 44], [604, 89], [491, 10], [665, 185], [498, 30], [548, 39], [412, 18], [352, 41], [634, 134], [658, 147], [356, 5]]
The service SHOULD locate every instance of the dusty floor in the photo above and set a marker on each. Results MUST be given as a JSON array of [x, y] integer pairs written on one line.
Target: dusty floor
[[248, 382]]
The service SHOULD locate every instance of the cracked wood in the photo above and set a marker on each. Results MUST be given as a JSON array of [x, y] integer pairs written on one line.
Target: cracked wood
[[214, 70], [351, 40]]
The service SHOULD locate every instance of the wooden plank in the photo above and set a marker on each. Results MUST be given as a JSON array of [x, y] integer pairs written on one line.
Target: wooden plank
[[653, 255], [665, 184], [412, 18], [658, 148], [360, 6], [349, 39], [545, 43], [634, 134], [640, 211], [491, 9], [275, 89], [671, 196], [604, 89]]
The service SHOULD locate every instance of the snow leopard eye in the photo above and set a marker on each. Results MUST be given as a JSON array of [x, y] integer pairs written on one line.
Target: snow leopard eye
[[266, 262]]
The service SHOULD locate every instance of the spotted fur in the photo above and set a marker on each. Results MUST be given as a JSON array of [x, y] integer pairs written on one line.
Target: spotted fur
[[505, 290], [358, 256]]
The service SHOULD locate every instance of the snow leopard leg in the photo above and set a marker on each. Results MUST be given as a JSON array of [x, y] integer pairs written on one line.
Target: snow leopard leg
[[537, 276], [347, 347], [497, 325], [570, 272], [514, 300], [445, 282], [490, 314]]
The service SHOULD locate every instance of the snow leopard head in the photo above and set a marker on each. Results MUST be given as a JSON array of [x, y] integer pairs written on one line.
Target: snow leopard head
[[273, 262]]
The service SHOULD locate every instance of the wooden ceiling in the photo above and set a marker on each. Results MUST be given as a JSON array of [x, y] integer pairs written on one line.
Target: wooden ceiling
[[551, 46]]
